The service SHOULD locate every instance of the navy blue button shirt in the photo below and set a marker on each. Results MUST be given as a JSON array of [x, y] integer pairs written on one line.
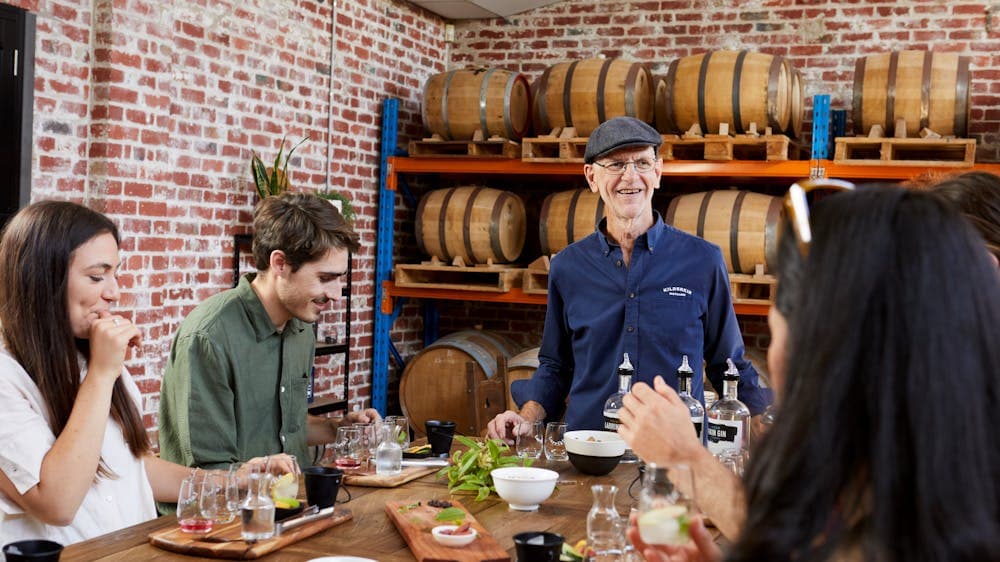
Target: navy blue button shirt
[[671, 300]]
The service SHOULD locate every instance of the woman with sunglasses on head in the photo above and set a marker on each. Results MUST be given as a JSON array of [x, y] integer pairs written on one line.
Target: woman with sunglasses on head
[[75, 459], [882, 448]]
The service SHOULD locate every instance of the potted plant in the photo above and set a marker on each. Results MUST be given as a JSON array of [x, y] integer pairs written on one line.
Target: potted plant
[[340, 201], [273, 180]]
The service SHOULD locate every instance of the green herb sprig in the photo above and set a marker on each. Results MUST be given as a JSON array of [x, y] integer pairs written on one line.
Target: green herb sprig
[[470, 469]]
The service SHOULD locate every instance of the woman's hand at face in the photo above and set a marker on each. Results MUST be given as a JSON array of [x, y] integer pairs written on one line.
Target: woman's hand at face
[[110, 337], [656, 424]]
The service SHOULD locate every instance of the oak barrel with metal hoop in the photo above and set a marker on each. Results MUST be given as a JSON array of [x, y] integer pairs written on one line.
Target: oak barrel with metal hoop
[[568, 216], [458, 103], [926, 89], [475, 223], [433, 384], [734, 87], [585, 93], [742, 223]]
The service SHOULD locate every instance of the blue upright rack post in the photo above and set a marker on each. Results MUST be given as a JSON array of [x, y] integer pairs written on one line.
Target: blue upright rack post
[[383, 257], [820, 133]]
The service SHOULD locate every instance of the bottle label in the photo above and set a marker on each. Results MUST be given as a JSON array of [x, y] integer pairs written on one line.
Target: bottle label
[[725, 435], [697, 426], [611, 421]]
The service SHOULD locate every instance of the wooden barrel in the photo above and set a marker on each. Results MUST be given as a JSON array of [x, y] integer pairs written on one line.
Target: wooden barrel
[[568, 216], [475, 223], [742, 223], [520, 367], [797, 108], [734, 87], [585, 93], [458, 103], [433, 385], [926, 89]]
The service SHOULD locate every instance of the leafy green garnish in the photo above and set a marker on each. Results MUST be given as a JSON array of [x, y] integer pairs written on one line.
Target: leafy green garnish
[[451, 515], [470, 469], [406, 508]]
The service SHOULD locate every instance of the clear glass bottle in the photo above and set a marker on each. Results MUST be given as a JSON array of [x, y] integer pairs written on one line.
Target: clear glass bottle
[[728, 418], [257, 510], [389, 455], [614, 403], [605, 527], [684, 375]]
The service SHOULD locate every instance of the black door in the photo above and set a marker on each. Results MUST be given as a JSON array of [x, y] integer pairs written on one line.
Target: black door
[[17, 66]]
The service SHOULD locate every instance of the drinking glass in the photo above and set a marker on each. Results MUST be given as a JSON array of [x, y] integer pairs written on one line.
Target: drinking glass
[[555, 448], [215, 496], [369, 439], [189, 513], [347, 447], [286, 486], [529, 439], [404, 429], [666, 504]]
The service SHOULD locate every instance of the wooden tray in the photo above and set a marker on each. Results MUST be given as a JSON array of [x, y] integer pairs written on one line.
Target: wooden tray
[[415, 525], [368, 478], [175, 540]]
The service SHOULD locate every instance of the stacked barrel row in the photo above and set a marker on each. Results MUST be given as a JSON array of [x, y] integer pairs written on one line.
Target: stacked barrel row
[[708, 89]]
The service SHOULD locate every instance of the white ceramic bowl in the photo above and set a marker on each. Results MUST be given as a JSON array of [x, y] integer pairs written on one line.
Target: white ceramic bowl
[[453, 540], [594, 443], [524, 487]]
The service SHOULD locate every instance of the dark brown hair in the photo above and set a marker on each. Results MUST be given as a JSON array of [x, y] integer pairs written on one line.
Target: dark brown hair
[[303, 226], [36, 249], [977, 196]]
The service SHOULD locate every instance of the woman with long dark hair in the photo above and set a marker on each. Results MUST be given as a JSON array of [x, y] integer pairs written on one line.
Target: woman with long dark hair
[[882, 448], [75, 459]]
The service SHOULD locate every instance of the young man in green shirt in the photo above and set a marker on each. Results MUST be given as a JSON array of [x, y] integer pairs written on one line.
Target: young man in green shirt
[[235, 383]]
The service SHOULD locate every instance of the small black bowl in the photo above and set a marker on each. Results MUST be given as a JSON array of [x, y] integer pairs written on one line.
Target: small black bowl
[[282, 513], [596, 466]]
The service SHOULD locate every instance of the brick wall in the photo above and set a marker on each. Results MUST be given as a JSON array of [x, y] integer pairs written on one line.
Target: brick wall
[[149, 110]]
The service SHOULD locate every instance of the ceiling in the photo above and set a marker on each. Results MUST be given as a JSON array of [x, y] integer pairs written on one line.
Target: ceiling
[[479, 9]]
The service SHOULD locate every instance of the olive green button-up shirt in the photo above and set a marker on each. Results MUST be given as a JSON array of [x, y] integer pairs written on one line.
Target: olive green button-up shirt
[[235, 387]]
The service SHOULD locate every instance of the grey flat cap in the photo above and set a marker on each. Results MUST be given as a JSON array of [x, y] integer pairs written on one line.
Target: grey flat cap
[[620, 132]]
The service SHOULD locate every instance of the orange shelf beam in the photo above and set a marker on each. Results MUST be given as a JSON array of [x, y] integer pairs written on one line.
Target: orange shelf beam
[[515, 295]]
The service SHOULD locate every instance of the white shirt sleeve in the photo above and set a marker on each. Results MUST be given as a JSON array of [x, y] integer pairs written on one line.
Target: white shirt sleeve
[[25, 435]]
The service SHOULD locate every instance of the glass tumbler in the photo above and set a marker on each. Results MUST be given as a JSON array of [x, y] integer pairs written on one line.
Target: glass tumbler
[[347, 447], [555, 447], [666, 504], [219, 496], [404, 429], [189, 509], [529, 439]]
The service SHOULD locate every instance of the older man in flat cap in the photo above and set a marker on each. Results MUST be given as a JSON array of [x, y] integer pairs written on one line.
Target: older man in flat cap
[[634, 286]]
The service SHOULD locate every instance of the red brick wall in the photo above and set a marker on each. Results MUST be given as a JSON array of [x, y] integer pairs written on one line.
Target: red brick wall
[[149, 110]]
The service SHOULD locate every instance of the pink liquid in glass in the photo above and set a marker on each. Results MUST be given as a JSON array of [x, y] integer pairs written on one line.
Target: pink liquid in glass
[[196, 525], [347, 462]]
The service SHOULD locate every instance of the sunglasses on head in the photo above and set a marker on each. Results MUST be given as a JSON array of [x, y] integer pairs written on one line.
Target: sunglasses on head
[[800, 196]]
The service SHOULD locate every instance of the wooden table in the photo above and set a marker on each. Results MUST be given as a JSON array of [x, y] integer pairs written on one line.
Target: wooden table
[[370, 534]]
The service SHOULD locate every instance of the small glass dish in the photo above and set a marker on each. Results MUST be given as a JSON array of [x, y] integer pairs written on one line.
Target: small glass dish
[[453, 540]]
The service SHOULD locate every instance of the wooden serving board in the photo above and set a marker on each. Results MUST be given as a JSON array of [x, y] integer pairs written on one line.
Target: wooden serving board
[[175, 540], [367, 477], [415, 525]]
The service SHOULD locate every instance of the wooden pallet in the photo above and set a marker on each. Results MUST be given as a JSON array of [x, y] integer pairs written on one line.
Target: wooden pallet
[[865, 151], [561, 145], [493, 147], [536, 277], [756, 288], [692, 145], [438, 275]]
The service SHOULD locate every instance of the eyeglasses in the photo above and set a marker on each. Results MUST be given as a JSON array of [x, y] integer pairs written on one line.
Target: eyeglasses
[[798, 199], [618, 167]]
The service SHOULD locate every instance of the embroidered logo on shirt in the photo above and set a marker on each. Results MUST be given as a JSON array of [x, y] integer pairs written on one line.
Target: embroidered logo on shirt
[[677, 291]]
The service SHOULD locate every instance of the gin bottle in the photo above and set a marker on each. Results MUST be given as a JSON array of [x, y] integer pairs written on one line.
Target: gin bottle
[[614, 402], [684, 374], [728, 418]]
